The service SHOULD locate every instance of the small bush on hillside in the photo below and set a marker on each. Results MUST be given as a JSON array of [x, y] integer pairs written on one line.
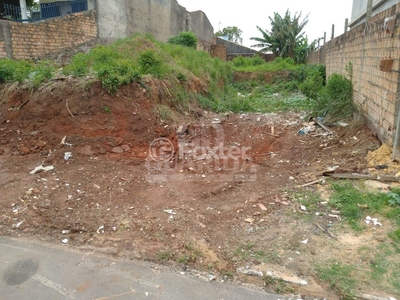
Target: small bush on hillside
[[334, 100], [255, 64], [304, 71], [121, 73], [241, 61], [12, 70], [339, 96], [21, 70], [185, 38], [312, 85], [150, 63], [42, 71]]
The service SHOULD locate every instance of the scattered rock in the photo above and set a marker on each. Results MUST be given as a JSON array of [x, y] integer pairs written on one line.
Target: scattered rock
[[376, 185], [86, 150], [248, 271], [286, 278], [182, 129], [119, 141], [262, 207], [125, 148], [24, 150], [374, 297], [40, 169], [169, 211], [117, 150]]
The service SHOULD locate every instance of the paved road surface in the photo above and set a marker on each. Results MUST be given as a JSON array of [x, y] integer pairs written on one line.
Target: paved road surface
[[34, 271]]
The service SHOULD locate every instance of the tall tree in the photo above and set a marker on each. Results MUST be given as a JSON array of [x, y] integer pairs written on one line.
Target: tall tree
[[233, 33], [285, 34]]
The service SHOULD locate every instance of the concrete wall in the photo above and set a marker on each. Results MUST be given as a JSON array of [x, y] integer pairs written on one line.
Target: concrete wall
[[376, 93], [35, 40], [359, 10], [233, 48], [160, 18], [202, 28], [227, 50]]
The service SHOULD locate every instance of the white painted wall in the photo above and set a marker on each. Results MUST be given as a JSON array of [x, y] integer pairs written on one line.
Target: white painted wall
[[359, 10]]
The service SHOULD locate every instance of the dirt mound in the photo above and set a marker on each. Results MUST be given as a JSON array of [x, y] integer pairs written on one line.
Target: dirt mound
[[130, 191], [36, 121]]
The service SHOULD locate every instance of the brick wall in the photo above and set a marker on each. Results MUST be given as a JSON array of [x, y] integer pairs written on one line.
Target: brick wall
[[219, 51], [35, 40], [3, 52], [376, 93]]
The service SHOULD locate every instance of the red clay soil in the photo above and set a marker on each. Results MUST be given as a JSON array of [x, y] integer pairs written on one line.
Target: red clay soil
[[115, 197]]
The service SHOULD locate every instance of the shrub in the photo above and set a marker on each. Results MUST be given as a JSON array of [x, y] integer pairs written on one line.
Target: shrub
[[339, 96], [79, 65], [13, 70], [241, 61], [122, 72], [150, 63], [311, 87], [185, 38], [304, 71]]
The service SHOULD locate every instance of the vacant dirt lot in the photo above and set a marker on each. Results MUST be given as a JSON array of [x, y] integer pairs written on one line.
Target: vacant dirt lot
[[218, 197]]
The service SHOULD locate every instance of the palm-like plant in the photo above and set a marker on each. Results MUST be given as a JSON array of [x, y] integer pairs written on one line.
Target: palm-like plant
[[285, 34]]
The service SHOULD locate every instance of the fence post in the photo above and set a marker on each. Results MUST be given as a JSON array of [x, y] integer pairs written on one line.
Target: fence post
[[324, 37], [346, 25], [333, 32], [24, 15], [369, 9]]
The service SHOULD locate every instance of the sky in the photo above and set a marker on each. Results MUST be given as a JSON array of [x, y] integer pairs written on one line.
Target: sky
[[248, 14]]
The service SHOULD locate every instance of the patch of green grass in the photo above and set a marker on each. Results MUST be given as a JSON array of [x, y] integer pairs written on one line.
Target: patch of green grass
[[21, 70], [277, 285], [246, 252], [310, 200], [256, 63], [165, 113], [164, 256], [106, 109], [339, 278], [383, 268], [351, 202], [228, 273], [191, 254], [395, 235]]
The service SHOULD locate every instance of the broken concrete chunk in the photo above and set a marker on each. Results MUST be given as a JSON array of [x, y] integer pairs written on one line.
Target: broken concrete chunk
[[117, 150], [248, 271], [41, 169], [286, 278]]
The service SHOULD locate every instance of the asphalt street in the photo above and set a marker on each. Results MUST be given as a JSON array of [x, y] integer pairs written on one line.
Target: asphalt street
[[38, 271]]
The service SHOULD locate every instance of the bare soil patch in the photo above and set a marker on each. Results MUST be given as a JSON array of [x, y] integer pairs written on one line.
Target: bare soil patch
[[188, 210]]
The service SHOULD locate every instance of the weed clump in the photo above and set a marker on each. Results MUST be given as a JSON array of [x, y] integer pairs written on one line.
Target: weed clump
[[185, 38]]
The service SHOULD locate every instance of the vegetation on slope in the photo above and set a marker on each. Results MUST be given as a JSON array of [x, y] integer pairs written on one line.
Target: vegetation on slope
[[294, 86]]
